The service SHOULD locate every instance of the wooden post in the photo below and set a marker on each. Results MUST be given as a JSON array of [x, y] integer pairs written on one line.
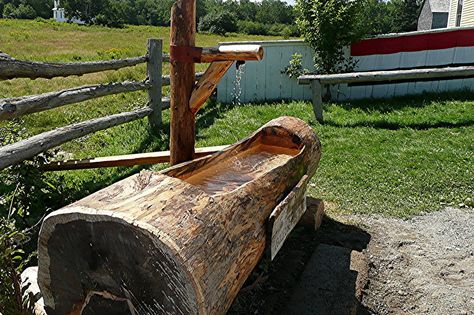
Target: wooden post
[[317, 100], [182, 126], [155, 71]]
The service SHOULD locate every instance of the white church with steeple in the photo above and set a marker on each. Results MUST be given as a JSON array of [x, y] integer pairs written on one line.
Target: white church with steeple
[[59, 14]]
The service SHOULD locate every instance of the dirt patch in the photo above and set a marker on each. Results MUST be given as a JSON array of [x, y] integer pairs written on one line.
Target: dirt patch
[[421, 266], [375, 265]]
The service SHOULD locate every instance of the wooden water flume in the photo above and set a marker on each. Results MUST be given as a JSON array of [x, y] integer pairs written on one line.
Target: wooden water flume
[[182, 241]]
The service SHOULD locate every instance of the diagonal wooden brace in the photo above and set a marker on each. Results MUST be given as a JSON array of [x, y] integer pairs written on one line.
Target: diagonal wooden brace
[[207, 84]]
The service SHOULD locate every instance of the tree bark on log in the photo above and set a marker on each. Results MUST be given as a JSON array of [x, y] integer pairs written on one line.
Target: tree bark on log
[[25, 149], [182, 241], [11, 68], [19, 106], [182, 119], [239, 52]]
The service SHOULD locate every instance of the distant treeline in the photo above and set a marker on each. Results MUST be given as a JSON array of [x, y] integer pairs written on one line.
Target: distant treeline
[[268, 17], [26, 9], [215, 16]]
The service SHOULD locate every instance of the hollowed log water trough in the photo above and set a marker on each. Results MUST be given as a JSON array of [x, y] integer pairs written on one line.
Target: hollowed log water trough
[[184, 240], [181, 241]]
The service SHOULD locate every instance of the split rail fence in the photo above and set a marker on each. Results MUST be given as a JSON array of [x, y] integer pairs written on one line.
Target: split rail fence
[[10, 108]]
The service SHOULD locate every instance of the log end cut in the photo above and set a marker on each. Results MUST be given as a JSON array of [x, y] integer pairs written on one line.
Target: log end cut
[[114, 260]]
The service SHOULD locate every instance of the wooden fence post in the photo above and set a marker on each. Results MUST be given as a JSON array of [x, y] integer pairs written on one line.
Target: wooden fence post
[[317, 100], [154, 71], [182, 119]]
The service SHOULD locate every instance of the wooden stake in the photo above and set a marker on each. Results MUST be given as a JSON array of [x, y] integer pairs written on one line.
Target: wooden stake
[[154, 70], [317, 100], [182, 126]]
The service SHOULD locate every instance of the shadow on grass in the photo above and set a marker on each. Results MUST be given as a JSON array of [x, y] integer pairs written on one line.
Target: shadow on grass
[[375, 109], [410, 101], [389, 125]]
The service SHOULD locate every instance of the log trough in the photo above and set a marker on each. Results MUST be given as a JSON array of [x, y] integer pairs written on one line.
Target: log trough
[[182, 241]]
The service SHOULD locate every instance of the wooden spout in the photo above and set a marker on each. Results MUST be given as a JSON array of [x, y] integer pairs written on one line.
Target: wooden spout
[[232, 53], [221, 59]]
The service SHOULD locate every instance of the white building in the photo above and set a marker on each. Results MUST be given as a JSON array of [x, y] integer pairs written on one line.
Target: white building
[[59, 14]]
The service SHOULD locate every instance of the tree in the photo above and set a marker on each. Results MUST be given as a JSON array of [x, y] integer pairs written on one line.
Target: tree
[[329, 26], [218, 23], [42, 8], [274, 11], [405, 15], [377, 17], [9, 11]]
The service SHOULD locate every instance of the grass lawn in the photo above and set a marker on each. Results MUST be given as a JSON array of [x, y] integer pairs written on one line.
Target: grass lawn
[[396, 157]]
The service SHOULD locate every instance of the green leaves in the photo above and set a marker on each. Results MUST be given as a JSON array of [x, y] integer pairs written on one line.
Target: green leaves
[[13, 261], [329, 26]]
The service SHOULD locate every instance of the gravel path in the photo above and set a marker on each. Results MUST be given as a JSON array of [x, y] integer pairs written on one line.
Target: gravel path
[[421, 266]]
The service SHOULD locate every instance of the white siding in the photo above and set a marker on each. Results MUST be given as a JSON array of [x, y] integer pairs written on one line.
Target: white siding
[[452, 13], [264, 81], [467, 17]]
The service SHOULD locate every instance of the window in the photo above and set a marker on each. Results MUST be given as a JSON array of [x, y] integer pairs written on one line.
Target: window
[[440, 20], [459, 13]]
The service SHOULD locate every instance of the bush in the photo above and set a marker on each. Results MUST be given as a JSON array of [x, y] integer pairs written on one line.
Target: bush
[[218, 23], [25, 193], [23, 11], [9, 11], [252, 28], [329, 26], [13, 260]]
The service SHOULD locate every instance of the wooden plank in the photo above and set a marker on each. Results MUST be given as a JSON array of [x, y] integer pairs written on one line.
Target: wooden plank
[[182, 119], [286, 215], [123, 160], [207, 84], [314, 214], [154, 71], [19, 106], [22, 150], [387, 76], [11, 68], [317, 90]]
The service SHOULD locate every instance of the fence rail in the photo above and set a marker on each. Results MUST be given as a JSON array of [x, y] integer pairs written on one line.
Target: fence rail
[[18, 106], [11, 68], [22, 150]]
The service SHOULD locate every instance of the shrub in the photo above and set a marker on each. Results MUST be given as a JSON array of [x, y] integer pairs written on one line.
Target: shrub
[[252, 28], [295, 69], [329, 26], [9, 11], [13, 260], [218, 23]]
